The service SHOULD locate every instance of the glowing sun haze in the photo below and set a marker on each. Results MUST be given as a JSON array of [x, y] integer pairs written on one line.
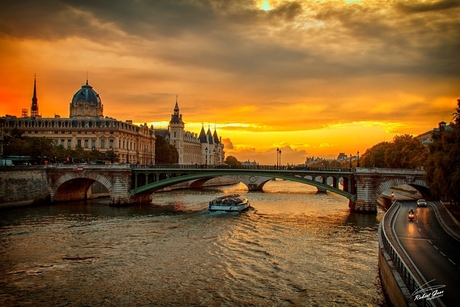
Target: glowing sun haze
[[314, 78]]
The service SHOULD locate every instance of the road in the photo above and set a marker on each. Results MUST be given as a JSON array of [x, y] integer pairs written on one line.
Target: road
[[432, 251]]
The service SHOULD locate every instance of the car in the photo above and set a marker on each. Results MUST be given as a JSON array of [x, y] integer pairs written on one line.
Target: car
[[421, 203]]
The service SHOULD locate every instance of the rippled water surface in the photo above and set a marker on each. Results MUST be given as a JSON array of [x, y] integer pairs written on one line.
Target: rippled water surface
[[294, 248]]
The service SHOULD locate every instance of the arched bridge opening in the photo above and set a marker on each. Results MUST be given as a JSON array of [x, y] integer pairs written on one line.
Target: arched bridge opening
[[75, 186], [419, 185], [199, 176]]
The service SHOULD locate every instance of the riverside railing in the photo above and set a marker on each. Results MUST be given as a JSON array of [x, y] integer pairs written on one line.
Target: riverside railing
[[409, 279]]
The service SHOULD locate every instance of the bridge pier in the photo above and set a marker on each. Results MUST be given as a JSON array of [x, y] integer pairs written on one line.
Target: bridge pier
[[372, 182], [254, 183], [321, 190]]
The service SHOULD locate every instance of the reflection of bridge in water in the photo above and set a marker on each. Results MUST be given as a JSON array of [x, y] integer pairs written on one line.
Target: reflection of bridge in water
[[126, 184]]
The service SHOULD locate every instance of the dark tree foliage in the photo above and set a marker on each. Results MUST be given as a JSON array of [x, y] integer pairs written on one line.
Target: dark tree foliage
[[111, 156], [42, 150], [443, 165], [231, 160], [16, 147], [375, 156], [404, 152], [165, 153]]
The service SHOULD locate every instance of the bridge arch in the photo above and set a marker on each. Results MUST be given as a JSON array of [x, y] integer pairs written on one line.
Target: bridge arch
[[419, 184], [372, 182], [75, 186], [184, 177]]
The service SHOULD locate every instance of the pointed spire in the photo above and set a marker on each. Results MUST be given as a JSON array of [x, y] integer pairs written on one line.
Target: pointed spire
[[34, 107], [176, 108], [215, 136], [209, 135], [203, 138]]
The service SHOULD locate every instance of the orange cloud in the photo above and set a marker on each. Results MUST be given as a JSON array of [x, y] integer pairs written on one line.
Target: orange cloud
[[296, 74]]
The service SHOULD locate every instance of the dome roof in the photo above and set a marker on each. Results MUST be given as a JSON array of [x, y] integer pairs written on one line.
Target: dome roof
[[88, 95]]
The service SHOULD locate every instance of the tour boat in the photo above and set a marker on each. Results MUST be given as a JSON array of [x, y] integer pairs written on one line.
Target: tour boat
[[229, 203]]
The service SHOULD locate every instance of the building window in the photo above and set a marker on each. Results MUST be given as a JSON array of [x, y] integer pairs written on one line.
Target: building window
[[102, 143], [93, 143], [69, 143], [86, 143], [111, 143], [78, 143], [62, 143]]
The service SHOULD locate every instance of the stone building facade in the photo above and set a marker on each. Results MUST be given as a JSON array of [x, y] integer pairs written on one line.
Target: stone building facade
[[87, 127], [205, 148]]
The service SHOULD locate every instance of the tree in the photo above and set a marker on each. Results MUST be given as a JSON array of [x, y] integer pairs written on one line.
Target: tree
[[111, 156], [165, 153], [16, 147], [41, 149], [405, 152], [61, 154], [231, 160], [375, 156], [443, 164], [78, 154]]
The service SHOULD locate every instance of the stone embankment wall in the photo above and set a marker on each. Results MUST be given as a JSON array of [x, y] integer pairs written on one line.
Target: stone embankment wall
[[23, 186]]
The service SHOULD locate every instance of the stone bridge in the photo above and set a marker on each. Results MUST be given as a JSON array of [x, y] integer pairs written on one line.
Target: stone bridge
[[126, 184]]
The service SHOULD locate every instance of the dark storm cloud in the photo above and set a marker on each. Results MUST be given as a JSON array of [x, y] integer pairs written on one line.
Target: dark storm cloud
[[293, 41], [412, 7]]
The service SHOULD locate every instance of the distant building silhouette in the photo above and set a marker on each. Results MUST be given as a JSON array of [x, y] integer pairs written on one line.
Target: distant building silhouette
[[87, 127], [34, 107], [206, 148], [427, 137]]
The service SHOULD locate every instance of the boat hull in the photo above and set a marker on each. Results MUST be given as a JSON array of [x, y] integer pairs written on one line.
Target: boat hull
[[235, 208], [229, 203]]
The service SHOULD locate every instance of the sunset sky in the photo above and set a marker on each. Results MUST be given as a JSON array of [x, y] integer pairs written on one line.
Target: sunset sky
[[314, 78]]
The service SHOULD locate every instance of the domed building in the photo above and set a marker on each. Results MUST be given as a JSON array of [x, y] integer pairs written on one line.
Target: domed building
[[86, 103], [87, 127]]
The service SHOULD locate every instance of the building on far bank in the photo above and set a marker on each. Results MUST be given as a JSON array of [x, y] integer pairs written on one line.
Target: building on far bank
[[87, 127], [205, 148], [427, 137]]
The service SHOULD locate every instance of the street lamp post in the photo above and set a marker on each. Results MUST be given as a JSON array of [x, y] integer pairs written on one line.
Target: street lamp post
[[358, 160], [350, 160], [280, 160], [206, 164], [277, 157]]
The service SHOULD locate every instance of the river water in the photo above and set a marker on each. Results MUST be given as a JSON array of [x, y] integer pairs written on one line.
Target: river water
[[294, 248]]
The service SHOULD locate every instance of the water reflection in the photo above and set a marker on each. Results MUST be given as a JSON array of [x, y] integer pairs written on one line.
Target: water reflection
[[295, 248]]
